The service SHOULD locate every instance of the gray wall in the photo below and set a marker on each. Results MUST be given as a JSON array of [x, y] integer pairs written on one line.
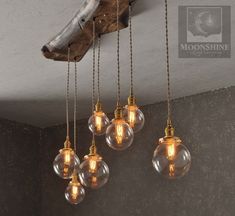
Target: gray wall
[[206, 124], [20, 193]]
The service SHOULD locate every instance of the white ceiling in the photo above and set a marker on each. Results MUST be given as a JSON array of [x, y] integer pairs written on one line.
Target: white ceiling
[[32, 87]]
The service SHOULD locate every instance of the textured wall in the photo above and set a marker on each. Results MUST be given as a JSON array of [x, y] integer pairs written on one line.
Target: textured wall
[[19, 169], [206, 124]]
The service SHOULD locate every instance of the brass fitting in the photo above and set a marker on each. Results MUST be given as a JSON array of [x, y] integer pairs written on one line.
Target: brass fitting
[[131, 100], [118, 113], [93, 149], [74, 177], [169, 131], [67, 143], [98, 107]]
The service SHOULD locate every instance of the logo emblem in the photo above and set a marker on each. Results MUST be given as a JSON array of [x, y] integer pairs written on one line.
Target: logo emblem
[[204, 32]]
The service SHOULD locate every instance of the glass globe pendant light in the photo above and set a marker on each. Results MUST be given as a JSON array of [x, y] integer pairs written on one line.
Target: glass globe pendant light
[[93, 172], [98, 122], [75, 192], [171, 158], [119, 134], [132, 114], [66, 161]]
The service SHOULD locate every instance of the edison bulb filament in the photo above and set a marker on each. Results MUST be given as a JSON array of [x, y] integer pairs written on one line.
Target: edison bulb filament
[[133, 115], [119, 130], [98, 121], [93, 164]]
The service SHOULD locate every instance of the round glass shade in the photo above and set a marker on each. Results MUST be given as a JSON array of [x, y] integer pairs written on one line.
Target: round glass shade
[[119, 135], [134, 117], [98, 123], [171, 159], [65, 163], [94, 172], [74, 193]]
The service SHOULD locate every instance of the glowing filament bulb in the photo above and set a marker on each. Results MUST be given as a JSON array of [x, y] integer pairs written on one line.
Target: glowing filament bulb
[[119, 133], [171, 170], [131, 116], [66, 169], [74, 192], [98, 122], [92, 165], [94, 180], [171, 151], [67, 157]]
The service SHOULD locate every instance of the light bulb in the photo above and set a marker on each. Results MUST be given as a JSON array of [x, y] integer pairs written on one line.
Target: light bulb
[[66, 162], [171, 158], [98, 122], [133, 115], [74, 193], [93, 164], [119, 135], [94, 172]]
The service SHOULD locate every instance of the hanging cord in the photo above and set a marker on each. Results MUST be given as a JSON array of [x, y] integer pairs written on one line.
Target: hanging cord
[[167, 64], [98, 69], [93, 79], [67, 94], [118, 58], [131, 50], [93, 71], [75, 104]]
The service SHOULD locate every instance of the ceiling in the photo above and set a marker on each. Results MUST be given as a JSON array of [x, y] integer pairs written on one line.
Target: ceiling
[[32, 87]]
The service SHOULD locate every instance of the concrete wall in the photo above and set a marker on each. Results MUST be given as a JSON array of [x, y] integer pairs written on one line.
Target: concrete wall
[[20, 184], [206, 124]]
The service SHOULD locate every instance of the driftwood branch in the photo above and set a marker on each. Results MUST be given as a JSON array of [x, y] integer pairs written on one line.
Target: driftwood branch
[[78, 32]]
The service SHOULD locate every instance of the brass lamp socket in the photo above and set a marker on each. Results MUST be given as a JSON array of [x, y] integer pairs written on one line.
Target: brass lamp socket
[[98, 107], [93, 150], [118, 112], [74, 177], [67, 143], [131, 100], [169, 131]]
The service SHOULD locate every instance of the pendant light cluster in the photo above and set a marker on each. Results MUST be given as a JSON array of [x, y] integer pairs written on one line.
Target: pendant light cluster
[[120, 134], [94, 172], [75, 192], [171, 158], [66, 161]]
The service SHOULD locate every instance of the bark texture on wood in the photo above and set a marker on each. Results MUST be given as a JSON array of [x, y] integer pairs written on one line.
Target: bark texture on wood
[[78, 32]]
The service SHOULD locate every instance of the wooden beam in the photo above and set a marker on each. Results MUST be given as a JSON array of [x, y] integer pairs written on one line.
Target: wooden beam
[[78, 33]]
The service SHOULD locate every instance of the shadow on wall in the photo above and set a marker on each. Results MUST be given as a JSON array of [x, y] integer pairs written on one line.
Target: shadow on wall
[[141, 6], [205, 122], [44, 113]]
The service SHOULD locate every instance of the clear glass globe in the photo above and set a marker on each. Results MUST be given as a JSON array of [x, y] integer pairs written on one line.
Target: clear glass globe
[[65, 163], [119, 135], [98, 123], [74, 193], [171, 159], [134, 117], [93, 172]]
